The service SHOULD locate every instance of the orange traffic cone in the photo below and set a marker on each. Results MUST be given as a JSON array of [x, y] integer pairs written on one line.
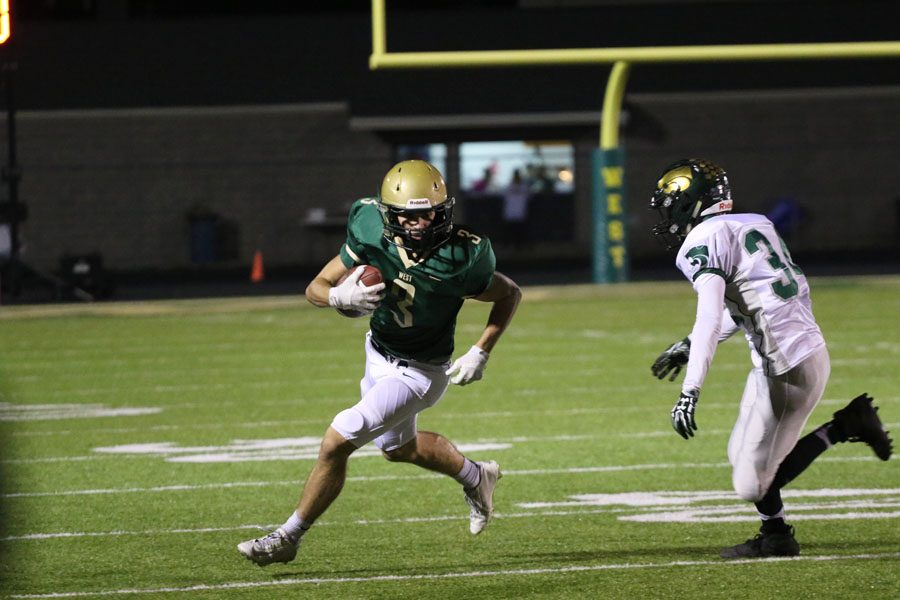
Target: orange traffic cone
[[257, 274]]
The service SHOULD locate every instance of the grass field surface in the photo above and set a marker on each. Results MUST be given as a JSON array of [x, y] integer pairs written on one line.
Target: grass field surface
[[143, 441]]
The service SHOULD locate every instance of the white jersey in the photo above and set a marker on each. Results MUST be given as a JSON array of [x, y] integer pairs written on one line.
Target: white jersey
[[765, 292]]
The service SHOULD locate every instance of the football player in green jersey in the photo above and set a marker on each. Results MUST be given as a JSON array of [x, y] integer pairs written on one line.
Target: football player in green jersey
[[429, 266]]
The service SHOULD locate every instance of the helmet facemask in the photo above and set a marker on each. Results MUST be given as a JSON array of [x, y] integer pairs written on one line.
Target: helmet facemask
[[677, 215], [688, 192], [415, 188], [418, 240]]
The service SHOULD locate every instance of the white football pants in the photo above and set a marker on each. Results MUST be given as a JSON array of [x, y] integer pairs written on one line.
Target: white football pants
[[773, 412], [394, 391]]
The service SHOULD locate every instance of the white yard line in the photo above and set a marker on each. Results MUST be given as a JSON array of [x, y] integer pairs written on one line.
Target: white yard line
[[292, 581], [505, 441], [795, 509], [364, 478], [321, 421]]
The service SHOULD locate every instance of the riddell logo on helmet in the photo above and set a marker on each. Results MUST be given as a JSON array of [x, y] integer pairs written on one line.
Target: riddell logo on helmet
[[719, 207], [417, 203]]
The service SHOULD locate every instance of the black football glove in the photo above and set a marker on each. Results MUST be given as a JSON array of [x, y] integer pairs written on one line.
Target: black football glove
[[675, 357], [683, 414]]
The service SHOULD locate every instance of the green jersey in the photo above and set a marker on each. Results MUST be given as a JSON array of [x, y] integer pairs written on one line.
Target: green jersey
[[417, 318]]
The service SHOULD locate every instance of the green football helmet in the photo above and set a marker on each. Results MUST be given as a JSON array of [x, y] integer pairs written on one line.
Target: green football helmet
[[689, 191], [415, 187]]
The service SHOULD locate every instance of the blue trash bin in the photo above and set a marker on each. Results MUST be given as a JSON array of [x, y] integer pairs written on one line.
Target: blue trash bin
[[204, 239]]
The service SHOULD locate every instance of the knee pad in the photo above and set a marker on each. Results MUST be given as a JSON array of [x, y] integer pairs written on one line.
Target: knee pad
[[747, 485], [349, 422]]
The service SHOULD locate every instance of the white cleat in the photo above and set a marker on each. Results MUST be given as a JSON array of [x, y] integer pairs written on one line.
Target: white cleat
[[274, 547], [481, 498]]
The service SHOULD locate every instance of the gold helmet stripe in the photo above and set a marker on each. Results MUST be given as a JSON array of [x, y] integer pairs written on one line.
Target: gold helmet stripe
[[676, 180]]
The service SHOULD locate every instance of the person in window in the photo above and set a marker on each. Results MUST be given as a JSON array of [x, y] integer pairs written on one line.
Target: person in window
[[515, 208], [486, 183]]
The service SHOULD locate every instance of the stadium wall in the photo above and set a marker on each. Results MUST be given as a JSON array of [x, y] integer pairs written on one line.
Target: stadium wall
[[126, 182], [832, 152], [130, 183]]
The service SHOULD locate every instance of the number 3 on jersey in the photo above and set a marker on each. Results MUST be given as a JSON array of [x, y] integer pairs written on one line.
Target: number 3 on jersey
[[754, 242], [408, 293]]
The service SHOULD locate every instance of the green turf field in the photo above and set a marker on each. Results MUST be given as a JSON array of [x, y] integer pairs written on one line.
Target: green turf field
[[143, 441]]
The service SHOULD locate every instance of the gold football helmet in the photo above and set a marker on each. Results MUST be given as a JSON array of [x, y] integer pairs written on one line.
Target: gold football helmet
[[415, 187]]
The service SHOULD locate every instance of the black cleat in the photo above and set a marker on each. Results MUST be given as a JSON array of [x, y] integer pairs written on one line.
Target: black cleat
[[859, 422], [765, 544]]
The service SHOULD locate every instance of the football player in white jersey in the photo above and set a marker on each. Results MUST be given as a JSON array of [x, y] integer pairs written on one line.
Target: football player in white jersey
[[745, 279]]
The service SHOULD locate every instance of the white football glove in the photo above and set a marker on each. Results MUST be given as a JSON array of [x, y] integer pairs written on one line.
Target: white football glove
[[351, 296], [469, 367]]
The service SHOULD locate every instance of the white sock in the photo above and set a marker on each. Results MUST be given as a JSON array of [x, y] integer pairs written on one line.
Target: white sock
[[778, 515], [470, 475], [295, 526]]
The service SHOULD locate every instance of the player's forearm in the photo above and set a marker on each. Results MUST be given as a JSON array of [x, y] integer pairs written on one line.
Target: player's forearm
[[705, 334], [499, 318], [704, 339], [317, 292]]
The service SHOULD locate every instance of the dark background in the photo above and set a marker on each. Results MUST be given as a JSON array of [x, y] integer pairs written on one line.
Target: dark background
[[134, 114], [121, 53]]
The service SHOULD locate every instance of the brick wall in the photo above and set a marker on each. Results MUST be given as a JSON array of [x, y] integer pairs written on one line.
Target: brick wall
[[123, 182], [836, 153]]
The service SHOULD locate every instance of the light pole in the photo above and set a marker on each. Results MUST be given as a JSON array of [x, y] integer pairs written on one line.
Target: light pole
[[12, 211]]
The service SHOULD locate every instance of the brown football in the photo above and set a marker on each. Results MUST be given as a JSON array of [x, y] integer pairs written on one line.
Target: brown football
[[370, 276]]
